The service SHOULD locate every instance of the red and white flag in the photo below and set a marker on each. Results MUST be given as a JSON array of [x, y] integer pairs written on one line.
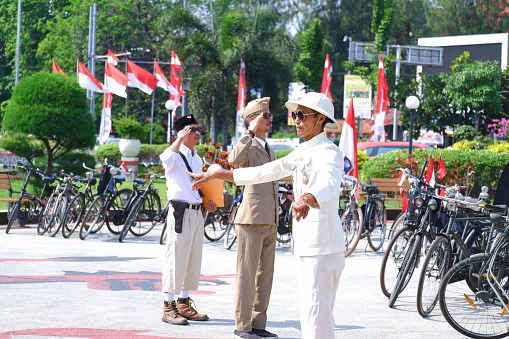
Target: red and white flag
[[442, 171], [112, 58], [327, 78], [372, 133], [348, 143], [88, 81], [240, 127], [176, 79], [140, 78], [162, 81], [430, 175], [115, 80], [401, 178], [57, 69], [382, 102], [404, 199]]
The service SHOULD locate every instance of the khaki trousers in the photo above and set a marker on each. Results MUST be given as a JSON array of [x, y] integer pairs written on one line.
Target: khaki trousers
[[255, 268], [318, 282], [182, 260]]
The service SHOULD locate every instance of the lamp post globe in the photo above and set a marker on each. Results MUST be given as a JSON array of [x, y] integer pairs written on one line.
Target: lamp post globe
[[412, 103], [170, 106]]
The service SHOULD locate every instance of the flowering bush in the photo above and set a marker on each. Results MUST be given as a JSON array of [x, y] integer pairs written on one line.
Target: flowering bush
[[500, 127], [212, 154]]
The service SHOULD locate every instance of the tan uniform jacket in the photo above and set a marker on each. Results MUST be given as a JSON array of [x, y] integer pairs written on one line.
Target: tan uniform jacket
[[260, 204]]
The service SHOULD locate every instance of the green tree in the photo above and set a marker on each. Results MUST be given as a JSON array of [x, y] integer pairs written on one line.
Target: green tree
[[381, 22], [309, 67], [53, 109]]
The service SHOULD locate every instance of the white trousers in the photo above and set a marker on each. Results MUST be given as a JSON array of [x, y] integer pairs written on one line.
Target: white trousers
[[183, 256], [318, 282]]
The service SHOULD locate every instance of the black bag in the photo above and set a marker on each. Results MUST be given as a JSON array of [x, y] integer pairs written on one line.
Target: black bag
[[179, 207], [104, 180]]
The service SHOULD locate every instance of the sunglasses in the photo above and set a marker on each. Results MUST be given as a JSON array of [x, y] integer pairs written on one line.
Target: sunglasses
[[266, 115], [301, 115], [196, 129]]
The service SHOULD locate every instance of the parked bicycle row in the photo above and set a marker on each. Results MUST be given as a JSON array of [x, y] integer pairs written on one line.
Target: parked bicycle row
[[461, 245], [76, 206]]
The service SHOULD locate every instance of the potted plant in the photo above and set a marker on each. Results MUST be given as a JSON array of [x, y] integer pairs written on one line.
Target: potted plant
[[130, 130]]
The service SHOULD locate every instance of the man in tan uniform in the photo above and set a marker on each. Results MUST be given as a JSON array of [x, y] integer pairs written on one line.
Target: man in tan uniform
[[255, 225]]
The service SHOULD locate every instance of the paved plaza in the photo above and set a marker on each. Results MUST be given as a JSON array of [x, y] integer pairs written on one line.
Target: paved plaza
[[100, 288]]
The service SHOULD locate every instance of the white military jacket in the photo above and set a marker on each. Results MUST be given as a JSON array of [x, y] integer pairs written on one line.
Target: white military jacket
[[316, 167]]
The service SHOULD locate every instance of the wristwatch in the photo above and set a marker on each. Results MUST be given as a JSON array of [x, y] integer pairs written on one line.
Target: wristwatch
[[251, 133]]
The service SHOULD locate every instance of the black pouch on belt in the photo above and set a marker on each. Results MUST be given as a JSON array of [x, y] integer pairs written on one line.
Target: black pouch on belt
[[179, 208]]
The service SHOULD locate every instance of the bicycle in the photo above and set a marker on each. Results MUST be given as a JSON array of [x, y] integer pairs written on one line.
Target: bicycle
[[66, 192], [284, 228], [27, 206], [374, 222], [146, 204], [230, 236], [473, 294], [351, 216], [110, 206], [78, 205]]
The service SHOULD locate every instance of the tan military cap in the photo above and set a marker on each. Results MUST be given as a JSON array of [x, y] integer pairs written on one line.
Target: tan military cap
[[255, 106]]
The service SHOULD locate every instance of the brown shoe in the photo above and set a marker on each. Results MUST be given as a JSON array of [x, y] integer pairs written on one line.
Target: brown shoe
[[171, 314], [187, 311]]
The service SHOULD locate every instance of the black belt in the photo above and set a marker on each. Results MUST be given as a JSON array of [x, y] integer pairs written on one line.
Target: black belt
[[193, 207]]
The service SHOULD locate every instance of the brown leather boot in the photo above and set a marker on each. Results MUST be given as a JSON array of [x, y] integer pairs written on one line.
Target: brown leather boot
[[171, 314], [187, 311]]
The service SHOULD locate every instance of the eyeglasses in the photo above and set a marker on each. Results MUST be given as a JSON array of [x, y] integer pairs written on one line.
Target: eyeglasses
[[301, 115], [266, 115], [196, 129]]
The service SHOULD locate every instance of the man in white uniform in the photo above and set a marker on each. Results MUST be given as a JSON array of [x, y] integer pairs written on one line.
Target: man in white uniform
[[316, 167]]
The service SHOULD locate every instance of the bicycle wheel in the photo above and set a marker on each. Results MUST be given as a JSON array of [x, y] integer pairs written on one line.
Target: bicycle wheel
[[135, 208], [59, 214], [393, 258], [46, 215], [230, 236], [215, 224], [352, 222], [73, 216], [475, 312], [435, 266], [145, 219], [377, 222], [12, 215], [94, 218], [407, 268], [116, 210], [397, 224]]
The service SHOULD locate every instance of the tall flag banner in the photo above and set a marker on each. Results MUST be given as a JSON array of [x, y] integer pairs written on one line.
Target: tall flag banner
[[140, 78], [115, 80], [57, 69], [240, 127], [88, 81], [112, 58], [442, 171], [162, 81], [430, 175], [327, 78], [348, 143], [372, 133], [382, 102], [176, 79], [105, 128]]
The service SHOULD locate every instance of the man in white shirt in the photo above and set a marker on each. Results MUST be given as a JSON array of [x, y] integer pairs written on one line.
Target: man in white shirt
[[316, 167], [184, 244]]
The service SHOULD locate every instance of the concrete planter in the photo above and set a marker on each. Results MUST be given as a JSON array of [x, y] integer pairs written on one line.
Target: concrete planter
[[129, 147]]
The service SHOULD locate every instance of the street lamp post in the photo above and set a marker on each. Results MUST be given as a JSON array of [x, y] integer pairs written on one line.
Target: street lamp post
[[170, 106], [412, 103]]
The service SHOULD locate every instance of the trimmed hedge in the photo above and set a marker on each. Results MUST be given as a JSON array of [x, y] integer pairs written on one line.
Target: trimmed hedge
[[487, 165]]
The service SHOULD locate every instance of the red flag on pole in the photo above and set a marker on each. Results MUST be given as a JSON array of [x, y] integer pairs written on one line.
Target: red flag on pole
[[430, 175], [162, 80], [348, 143], [57, 69], [382, 102], [88, 81], [442, 171], [327, 78], [240, 128], [112, 58], [140, 78], [176, 78], [105, 128], [115, 80]]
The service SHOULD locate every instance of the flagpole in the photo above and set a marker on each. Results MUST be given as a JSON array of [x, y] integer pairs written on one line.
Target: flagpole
[[152, 115]]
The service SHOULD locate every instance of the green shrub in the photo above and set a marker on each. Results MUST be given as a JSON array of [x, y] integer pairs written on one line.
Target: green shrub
[[498, 146], [109, 151], [283, 153], [362, 157], [128, 128]]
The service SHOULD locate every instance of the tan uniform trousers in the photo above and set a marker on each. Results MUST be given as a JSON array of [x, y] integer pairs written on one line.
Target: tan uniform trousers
[[255, 268], [182, 260], [318, 282]]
